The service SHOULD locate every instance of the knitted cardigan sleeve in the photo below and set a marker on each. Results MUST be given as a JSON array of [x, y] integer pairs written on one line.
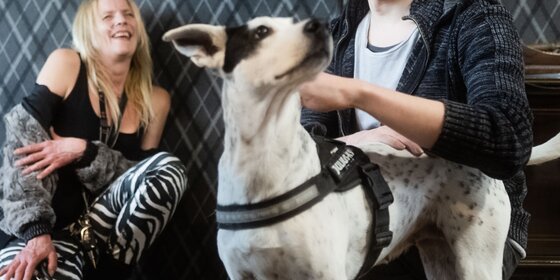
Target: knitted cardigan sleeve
[[492, 130]]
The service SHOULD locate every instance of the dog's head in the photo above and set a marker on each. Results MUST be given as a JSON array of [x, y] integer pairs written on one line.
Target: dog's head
[[264, 52]]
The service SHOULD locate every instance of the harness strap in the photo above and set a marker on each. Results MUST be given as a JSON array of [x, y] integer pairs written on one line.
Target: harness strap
[[277, 209], [380, 197]]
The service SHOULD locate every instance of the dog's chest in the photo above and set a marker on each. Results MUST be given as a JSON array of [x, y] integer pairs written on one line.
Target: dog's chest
[[262, 169], [304, 245]]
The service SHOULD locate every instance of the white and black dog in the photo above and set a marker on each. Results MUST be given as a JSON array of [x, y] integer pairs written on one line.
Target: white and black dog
[[457, 216]]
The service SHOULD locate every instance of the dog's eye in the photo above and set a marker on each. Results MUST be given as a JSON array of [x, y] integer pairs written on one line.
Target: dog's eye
[[261, 32]]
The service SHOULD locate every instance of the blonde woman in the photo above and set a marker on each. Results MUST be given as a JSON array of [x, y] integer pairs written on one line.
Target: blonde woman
[[83, 190]]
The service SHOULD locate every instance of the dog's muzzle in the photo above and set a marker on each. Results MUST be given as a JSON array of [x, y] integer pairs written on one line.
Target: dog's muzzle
[[316, 29], [318, 32], [321, 46]]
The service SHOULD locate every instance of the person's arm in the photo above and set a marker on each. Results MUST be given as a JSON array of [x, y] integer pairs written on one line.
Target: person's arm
[[493, 130], [26, 124], [25, 201], [96, 164], [54, 82], [49, 155], [100, 165], [416, 118]]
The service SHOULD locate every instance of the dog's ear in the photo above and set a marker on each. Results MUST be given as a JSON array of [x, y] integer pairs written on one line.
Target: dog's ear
[[203, 43]]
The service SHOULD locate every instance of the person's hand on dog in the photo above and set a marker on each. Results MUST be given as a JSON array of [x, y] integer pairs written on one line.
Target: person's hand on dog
[[420, 119], [328, 92], [386, 135], [35, 251], [50, 155]]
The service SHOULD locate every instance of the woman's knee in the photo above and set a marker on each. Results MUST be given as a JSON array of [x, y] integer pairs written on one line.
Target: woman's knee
[[169, 174]]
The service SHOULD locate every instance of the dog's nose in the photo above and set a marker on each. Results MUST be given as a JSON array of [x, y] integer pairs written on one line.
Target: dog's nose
[[314, 26]]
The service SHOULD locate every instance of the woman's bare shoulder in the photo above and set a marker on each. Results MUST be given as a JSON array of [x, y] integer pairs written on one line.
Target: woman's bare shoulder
[[60, 71], [160, 98]]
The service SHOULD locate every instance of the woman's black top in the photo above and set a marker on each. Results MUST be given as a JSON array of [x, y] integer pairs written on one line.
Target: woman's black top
[[74, 117]]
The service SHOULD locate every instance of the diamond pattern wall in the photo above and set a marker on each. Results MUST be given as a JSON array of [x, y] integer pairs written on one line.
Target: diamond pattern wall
[[537, 21], [31, 29]]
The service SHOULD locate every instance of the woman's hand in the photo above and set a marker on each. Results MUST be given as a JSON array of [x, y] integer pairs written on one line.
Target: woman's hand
[[24, 264], [50, 155], [328, 92], [386, 135]]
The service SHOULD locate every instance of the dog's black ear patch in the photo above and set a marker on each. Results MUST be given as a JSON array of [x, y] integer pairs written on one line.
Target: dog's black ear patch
[[198, 38], [240, 44]]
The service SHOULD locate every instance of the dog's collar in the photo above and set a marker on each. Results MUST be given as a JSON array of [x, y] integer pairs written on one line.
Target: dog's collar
[[343, 168]]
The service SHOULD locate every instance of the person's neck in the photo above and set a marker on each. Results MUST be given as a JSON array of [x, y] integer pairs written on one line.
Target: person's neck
[[395, 9], [118, 70], [386, 27]]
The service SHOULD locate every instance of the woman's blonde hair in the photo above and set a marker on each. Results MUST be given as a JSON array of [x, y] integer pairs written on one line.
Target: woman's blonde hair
[[138, 84]]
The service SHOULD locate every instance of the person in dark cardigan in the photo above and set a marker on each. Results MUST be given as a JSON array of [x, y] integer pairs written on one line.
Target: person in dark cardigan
[[457, 94]]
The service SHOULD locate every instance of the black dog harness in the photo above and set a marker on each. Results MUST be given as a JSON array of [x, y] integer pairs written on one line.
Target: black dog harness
[[343, 168]]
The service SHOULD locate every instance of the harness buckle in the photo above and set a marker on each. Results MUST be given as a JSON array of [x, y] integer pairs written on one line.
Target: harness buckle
[[382, 239], [383, 195]]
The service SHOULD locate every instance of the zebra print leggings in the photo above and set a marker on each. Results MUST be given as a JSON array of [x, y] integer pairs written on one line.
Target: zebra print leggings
[[127, 216]]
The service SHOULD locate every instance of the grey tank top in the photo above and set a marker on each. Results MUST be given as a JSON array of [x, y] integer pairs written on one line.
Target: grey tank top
[[380, 66]]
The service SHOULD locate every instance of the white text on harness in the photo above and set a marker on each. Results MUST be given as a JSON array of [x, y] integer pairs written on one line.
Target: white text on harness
[[342, 162]]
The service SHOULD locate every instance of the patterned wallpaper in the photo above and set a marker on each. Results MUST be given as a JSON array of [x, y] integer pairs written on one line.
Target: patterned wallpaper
[[538, 21], [31, 29]]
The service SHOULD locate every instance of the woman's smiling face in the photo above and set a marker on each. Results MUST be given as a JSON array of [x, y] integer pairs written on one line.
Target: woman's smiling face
[[116, 28]]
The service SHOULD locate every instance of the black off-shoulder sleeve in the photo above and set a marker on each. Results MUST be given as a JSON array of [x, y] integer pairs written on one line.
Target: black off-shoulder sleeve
[[42, 104]]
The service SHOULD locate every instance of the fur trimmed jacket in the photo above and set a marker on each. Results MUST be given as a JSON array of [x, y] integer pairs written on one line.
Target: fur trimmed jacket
[[25, 202]]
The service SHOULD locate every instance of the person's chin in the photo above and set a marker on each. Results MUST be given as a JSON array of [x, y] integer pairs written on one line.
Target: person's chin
[[124, 51]]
